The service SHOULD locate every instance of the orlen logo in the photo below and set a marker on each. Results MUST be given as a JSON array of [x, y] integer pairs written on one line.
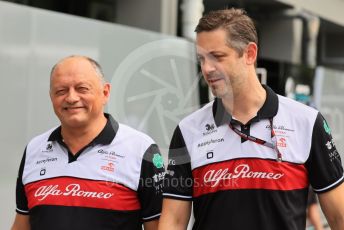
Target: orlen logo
[[282, 142], [109, 167]]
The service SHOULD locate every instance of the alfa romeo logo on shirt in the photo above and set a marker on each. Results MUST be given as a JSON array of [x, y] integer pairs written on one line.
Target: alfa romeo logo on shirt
[[327, 128], [158, 161]]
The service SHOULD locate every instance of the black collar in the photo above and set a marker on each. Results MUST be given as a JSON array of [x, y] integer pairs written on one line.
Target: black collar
[[268, 110], [104, 137]]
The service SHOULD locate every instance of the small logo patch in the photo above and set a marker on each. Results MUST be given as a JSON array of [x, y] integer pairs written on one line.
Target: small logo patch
[[158, 161], [42, 172], [327, 128], [109, 167], [210, 155]]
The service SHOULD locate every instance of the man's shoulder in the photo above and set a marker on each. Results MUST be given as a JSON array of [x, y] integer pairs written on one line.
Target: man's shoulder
[[296, 113], [136, 135], [295, 107], [43, 137], [39, 142]]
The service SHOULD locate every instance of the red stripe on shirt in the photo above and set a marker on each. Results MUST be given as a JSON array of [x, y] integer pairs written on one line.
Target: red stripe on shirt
[[249, 174], [67, 191]]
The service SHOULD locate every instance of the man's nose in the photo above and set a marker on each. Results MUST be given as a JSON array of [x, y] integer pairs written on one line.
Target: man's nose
[[208, 66], [72, 96]]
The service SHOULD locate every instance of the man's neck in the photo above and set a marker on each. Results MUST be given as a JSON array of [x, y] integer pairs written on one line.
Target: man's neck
[[246, 102], [78, 137]]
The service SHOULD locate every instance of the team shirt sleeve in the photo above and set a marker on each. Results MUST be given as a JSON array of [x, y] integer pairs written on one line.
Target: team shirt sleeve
[[21, 199], [151, 182], [178, 183], [324, 164]]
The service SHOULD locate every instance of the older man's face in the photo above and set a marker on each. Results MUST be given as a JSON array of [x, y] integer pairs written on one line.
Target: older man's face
[[77, 93]]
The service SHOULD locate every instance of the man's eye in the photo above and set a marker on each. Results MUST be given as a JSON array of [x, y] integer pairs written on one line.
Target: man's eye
[[82, 89], [217, 57], [60, 92]]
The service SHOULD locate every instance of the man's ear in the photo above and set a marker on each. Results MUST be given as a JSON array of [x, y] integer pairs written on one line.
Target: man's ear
[[251, 53], [106, 92]]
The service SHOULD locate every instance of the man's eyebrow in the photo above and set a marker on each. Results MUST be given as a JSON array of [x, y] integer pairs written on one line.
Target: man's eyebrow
[[217, 52]]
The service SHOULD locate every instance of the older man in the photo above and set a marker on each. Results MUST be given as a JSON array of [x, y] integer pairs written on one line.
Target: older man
[[90, 172]]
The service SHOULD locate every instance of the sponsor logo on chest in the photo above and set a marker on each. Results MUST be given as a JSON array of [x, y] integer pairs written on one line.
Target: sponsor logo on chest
[[110, 167], [209, 129], [214, 177], [48, 148], [46, 160], [71, 190], [210, 142]]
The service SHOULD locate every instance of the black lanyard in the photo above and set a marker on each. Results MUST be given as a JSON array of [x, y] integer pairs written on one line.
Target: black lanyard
[[272, 144]]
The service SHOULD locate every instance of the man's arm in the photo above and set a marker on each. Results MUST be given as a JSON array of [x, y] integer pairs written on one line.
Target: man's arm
[[150, 187], [314, 217], [21, 222], [332, 204], [151, 225], [176, 205], [326, 173], [175, 214]]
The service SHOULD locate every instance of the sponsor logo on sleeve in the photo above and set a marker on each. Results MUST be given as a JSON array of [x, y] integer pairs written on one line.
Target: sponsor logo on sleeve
[[334, 155], [158, 161], [171, 162], [158, 177], [327, 128], [330, 144]]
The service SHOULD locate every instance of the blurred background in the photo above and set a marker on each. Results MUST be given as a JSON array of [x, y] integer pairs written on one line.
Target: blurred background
[[146, 48]]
